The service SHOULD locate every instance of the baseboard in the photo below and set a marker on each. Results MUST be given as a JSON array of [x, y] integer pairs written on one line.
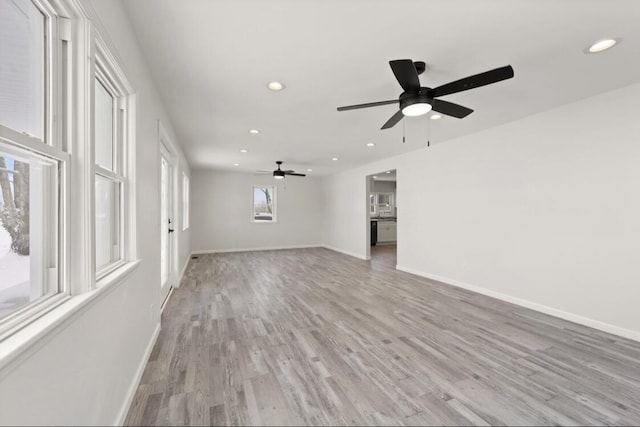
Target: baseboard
[[136, 381], [264, 248], [353, 254], [184, 268], [575, 318]]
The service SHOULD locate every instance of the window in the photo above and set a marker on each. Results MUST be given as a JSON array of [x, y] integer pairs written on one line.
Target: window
[[111, 180], [33, 167], [264, 204], [185, 201], [382, 204], [28, 228], [38, 135]]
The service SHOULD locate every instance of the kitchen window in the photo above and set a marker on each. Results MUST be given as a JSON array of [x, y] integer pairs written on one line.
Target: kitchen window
[[264, 203]]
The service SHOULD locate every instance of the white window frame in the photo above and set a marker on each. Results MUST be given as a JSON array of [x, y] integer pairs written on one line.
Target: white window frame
[[273, 200], [72, 50], [53, 147], [107, 71], [185, 201]]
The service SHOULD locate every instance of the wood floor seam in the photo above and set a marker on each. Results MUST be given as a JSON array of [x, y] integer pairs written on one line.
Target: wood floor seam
[[312, 337]]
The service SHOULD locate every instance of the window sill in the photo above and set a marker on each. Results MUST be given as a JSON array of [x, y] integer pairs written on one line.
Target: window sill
[[31, 337]]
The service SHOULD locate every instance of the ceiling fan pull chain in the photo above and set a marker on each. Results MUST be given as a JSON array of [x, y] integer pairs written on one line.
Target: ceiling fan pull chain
[[403, 131], [428, 131]]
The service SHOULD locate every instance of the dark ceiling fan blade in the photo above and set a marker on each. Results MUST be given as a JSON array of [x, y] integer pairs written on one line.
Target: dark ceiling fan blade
[[370, 104], [294, 174], [475, 81], [450, 109], [406, 74], [264, 171], [393, 120], [288, 170]]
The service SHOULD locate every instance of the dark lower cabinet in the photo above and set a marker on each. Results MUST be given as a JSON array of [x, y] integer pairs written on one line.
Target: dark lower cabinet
[[374, 233]]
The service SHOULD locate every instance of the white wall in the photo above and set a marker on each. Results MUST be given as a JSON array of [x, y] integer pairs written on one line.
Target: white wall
[[83, 372], [542, 211], [221, 212]]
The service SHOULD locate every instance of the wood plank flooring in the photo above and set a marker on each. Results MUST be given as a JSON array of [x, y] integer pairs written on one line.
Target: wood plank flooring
[[314, 337]]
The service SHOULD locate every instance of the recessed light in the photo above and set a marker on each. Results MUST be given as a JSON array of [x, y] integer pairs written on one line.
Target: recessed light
[[236, 164], [243, 151], [435, 117], [334, 159], [254, 131], [388, 172], [370, 144], [275, 86], [309, 170], [375, 177], [602, 45]]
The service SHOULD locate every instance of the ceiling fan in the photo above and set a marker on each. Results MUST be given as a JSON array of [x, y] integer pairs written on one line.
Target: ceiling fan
[[417, 100], [280, 174]]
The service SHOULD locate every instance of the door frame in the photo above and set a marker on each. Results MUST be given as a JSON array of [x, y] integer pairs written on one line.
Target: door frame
[[167, 149]]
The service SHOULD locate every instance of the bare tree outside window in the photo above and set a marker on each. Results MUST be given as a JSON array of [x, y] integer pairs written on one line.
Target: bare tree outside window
[[14, 205], [263, 209]]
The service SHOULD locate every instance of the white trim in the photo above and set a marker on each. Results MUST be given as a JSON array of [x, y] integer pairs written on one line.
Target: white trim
[[136, 379], [167, 150], [184, 269], [575, 318], [185, 201], [32, 144], [353, 254], [264, 248], [163, 304], [28, 340]]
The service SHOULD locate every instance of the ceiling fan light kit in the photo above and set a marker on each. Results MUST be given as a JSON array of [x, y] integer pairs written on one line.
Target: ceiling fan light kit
[[279, 173], [414, 106], [417, 100]]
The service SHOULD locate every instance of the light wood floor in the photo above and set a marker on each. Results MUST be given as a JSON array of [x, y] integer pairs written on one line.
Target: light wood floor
[[311, 336]]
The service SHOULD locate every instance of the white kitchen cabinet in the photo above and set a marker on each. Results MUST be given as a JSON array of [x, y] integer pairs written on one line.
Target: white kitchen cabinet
[[387, 231]]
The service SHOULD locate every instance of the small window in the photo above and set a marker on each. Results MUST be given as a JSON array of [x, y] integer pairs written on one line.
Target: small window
[[264, 205], [185, 201]]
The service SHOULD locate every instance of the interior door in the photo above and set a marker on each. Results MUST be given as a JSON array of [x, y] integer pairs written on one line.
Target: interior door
[[167, 225]]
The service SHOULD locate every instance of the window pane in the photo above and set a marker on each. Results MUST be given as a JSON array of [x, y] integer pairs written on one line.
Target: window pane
[[107, 222], [22, 66], [263, 203], [28, 228], [185, 201], [104, 127]]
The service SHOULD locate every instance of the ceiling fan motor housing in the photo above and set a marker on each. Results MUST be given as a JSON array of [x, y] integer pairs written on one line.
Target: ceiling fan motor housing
[[278, 173]]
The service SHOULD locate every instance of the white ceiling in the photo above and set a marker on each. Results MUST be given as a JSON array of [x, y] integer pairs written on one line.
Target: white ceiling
[[212, 60]]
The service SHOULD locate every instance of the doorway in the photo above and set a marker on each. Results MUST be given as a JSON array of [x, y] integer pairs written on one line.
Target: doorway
[[382, 215], [167, 223]]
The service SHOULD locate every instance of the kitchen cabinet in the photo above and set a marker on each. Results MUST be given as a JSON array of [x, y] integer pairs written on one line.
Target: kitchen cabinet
[[387, 231]]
